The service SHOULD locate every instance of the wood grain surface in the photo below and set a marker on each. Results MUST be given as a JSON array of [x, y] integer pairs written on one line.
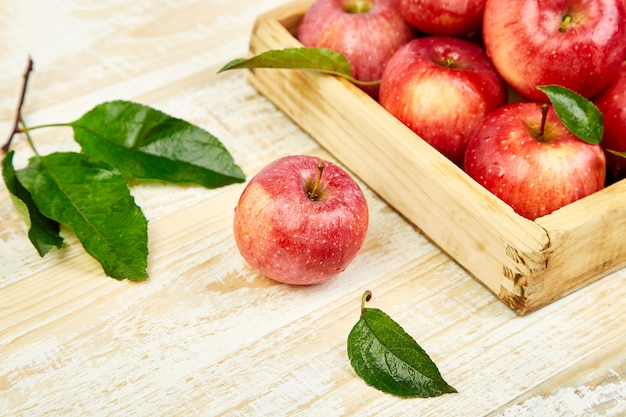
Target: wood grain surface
[[205, 334]]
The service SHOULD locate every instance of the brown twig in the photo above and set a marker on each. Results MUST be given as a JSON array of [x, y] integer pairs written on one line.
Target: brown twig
[[18, 116]]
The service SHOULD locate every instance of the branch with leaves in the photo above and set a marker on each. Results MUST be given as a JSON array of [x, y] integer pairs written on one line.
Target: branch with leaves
[[88, 192]]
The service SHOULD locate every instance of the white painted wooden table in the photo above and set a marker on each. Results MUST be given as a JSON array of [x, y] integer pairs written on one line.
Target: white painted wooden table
[[206, 335]]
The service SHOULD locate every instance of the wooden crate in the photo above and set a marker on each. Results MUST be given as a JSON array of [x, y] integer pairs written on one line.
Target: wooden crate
[[527, 264]]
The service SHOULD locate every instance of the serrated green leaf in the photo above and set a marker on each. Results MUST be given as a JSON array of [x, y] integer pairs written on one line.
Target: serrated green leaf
[[144, 143], [42, 231], [94, 201], [389, 359], [579, 115], [318, 59]]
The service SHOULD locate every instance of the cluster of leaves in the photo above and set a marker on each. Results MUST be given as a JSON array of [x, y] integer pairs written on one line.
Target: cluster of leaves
[[88, 191]]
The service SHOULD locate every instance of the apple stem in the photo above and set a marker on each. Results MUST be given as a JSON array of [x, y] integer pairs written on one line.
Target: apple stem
[[544, 117], [314, 193], [358, 6], [367, 295], [449, 62], [565, 23]]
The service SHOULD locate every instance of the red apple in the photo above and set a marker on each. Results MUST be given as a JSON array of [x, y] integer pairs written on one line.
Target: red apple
[[301, 220], [441, 88], [534, 170], [444, 17], [578, 44], [612, 103], [367, 32]]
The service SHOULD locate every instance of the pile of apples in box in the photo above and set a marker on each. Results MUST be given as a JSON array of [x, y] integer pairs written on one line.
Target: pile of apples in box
[[463, 74]]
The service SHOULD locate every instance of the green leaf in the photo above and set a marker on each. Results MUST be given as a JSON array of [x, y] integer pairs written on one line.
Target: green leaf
[[94, 201], [578, 114], [389, 359], [42, 231], [318, 59], [144, 143]]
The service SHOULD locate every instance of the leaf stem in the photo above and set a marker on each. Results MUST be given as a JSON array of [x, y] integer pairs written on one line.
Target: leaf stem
[[367, 295], [29, 138], [18, 116], [353, 80], [25, 129]]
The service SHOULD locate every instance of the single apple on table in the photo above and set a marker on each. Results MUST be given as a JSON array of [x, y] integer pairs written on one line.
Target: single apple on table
[[461, 18], [441, 88], [367, 32], [301, 220], [525, 156], [612, 103], [577, 44]]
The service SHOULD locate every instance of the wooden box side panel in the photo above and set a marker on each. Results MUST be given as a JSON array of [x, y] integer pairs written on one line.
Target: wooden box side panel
[[588, 241], [478, 230]]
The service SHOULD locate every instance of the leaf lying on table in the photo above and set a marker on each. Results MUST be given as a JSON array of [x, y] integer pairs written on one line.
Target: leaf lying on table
[[144, 143], [42, 231], [389, 359], [95, 203], [89, 191], [579, 115], [318, 59]]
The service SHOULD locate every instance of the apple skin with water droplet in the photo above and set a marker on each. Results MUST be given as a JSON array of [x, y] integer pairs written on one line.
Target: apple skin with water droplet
[[444, 18], [294, 232], [577, 44], [441, 88], [612, 103], [535, 177], [367, 32]]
